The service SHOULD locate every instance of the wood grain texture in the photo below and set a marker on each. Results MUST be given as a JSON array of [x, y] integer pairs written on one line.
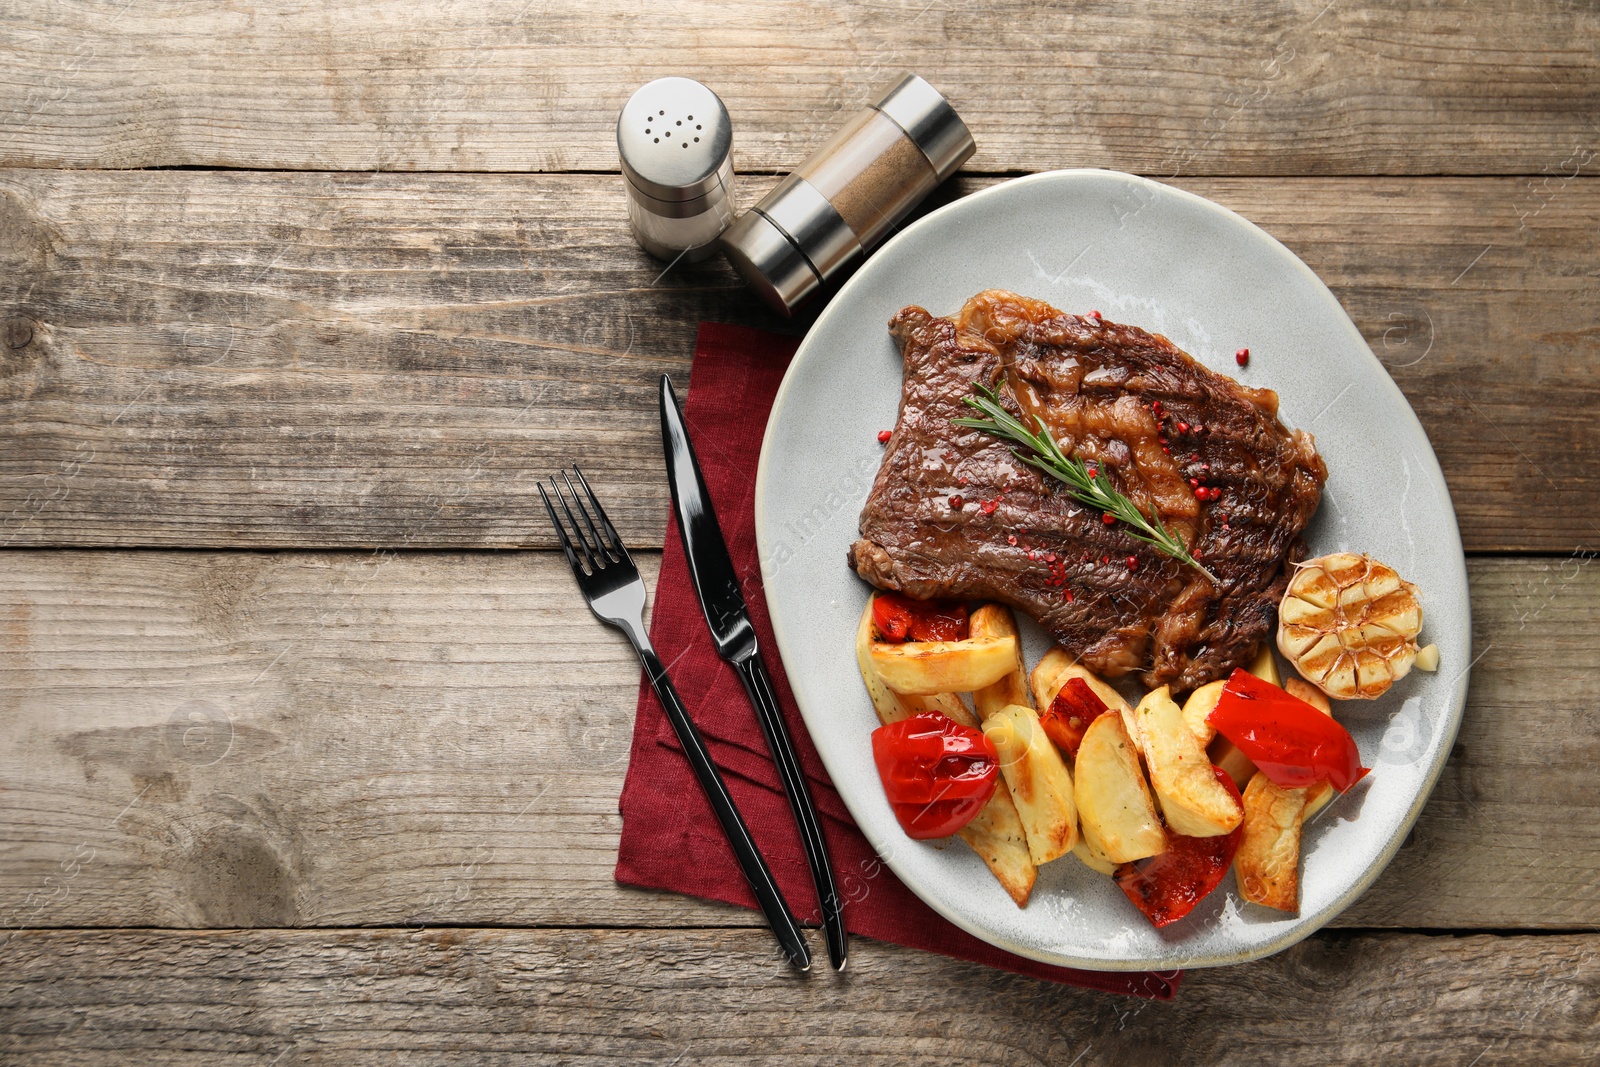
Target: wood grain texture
[[234, 359], [702, 996], [1282, 87], [314, 352], [221, 739]]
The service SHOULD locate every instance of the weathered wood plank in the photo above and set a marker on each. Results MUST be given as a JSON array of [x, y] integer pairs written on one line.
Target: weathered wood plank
[[218, 739], [705, 996], [267, 360], [1283, 87], [312, 740]]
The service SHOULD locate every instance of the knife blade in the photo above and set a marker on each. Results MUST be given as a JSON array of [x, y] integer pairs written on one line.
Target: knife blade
[[716, 584]]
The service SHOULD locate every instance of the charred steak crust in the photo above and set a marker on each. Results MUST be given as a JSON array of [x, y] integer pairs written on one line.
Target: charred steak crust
[[953, 513]]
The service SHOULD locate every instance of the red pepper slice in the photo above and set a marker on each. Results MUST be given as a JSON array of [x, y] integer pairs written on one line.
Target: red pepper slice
[[899, 618], [1166, 887], [937, 773], [1292, 742], [1070, 713]]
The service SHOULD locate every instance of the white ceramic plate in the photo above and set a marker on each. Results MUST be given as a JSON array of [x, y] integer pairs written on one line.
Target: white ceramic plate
[[1175, 264]]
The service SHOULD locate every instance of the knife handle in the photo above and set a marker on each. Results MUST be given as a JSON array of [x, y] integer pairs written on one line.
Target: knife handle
[[754, 865], [758, 684]]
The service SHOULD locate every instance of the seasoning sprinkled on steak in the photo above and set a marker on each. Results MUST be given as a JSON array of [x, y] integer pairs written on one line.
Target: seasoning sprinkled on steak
[[1203, 452]]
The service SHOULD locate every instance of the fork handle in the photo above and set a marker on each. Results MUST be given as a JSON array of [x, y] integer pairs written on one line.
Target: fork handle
[[755, 868]]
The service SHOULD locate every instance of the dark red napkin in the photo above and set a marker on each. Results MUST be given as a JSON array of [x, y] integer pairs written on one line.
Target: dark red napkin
[[670, 838]]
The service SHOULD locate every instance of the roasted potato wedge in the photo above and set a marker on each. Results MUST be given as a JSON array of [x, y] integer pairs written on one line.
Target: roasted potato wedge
[[1092, 857], [1046, 678], [1194, 802], [996, 621], [922, 667], [1318, 797], [1115, 811], [1265, 665], [1052, 672], [1301, 689], [1226, 754], [1267, 865], [892, 706], [1041, 785], [1200, 704], [996, 834]]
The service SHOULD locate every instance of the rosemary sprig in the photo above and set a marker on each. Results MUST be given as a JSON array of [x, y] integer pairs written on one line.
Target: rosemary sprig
[[1039, 449]]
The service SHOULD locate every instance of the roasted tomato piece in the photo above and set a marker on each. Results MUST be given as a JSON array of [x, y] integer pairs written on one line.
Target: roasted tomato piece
[[1070, 713], [1292, 742], [899, 618], [937, 773], [1166, 887]]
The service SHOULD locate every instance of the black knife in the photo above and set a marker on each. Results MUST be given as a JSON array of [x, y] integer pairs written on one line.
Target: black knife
[[717, 585]]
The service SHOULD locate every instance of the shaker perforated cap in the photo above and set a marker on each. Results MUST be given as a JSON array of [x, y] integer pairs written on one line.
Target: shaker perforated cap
[[674, 138]]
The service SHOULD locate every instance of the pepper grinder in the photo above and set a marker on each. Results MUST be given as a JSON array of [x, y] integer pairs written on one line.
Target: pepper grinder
[[675, 142], [842, 202]]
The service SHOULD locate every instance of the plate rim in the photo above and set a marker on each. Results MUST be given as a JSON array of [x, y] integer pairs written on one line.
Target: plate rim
[[1304, 926]]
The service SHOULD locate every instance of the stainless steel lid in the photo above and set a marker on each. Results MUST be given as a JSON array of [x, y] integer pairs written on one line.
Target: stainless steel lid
[[769, 262], [930, 121], [674, 138]]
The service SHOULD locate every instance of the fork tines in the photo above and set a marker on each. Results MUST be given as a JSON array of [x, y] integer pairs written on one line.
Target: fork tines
[[603, 546]]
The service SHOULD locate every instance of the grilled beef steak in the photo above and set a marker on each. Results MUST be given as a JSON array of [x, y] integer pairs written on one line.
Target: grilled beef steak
[[953, 513]]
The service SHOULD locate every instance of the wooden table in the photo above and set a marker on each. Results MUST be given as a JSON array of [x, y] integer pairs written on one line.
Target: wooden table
[[304, 760]]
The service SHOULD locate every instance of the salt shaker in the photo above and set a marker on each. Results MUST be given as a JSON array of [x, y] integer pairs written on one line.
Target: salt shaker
[[839, 204], [675, 142]]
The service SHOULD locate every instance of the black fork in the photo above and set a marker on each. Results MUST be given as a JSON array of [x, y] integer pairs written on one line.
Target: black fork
[[611, 583]]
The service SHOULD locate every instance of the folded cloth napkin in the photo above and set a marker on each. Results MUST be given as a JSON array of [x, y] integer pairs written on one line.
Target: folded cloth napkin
[[670, 838]]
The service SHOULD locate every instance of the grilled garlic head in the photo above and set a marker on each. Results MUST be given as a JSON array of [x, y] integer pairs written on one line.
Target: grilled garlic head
[[1349, 624]]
